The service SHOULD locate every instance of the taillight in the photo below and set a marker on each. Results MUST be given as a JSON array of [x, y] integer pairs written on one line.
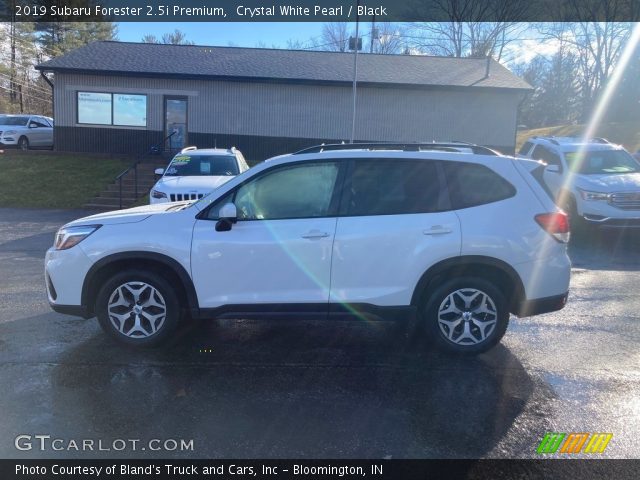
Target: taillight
[[556, 224]]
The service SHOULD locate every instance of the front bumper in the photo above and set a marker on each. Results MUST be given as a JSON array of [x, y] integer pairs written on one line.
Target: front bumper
[[611, 222], [8, 142], [65, 271]]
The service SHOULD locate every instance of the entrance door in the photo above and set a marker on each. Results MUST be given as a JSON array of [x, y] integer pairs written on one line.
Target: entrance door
[[175, 121]]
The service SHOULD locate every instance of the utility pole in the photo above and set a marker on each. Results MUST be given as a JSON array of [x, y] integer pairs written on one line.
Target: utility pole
[[355, 76], [373, 33]]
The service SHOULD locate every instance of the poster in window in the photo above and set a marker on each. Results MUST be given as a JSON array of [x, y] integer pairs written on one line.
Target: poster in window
[[130, 110], [94, 108]]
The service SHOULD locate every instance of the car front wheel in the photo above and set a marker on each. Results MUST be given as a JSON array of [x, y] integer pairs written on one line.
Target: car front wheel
[[138, 308], [468, 315], [23, 143]]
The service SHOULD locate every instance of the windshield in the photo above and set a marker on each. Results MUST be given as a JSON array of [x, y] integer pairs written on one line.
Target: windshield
[[10, 120], [601, 162], [201, 165]]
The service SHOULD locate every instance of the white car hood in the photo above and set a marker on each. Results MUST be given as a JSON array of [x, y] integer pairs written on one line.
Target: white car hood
[[624, 182], [130, 215], [192, 184]]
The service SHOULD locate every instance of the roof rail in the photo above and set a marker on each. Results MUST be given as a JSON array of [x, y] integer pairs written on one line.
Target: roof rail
[[188, 149], [600, 140], [407, 147], [232, 149]]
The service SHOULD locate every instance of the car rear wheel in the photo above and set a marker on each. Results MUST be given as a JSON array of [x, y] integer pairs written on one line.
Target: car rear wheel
[[23, 143], [468, 315], [138, 308]]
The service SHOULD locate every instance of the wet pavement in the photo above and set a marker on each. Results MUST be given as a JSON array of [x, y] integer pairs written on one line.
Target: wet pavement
[[291, 389]]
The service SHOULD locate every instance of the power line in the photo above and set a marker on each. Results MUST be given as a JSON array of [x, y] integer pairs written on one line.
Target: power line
[[18, 92], [22, 84]]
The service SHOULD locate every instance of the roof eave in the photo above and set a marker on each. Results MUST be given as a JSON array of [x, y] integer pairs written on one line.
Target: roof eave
[[300, 81]]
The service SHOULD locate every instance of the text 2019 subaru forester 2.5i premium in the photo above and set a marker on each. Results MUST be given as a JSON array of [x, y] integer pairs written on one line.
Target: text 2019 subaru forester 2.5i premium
[[371, 231]]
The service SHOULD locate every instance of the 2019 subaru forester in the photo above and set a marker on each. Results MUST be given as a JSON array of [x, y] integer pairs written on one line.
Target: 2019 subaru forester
[[460, 238]]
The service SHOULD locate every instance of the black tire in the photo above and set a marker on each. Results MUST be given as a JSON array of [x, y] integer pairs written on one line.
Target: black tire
[[576, 222], [23, 144], [137, 279], [432, 326]]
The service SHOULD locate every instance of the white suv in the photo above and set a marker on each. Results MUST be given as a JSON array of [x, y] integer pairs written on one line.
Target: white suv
[[366, 231], [595, 182], [194, 173]]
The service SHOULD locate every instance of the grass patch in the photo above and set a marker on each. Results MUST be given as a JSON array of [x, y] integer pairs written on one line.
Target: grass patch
[[627, 134], [54, 180]]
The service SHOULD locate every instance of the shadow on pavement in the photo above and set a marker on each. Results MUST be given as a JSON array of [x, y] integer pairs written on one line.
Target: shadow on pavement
[[605, 249], [284, 389]]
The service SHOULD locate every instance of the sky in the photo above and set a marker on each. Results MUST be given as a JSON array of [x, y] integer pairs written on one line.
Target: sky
[[276, 34], [241, 34]]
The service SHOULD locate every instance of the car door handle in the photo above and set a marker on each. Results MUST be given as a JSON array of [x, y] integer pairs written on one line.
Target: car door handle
[[437, 230], [315, 234]]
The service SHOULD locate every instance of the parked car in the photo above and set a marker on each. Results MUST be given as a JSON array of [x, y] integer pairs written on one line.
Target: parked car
[[457, 240], [26, 131], [194, 173], [595, 181]]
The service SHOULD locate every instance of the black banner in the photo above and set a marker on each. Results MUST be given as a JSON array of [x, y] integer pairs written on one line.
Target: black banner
[[582, 469], [319, 10]]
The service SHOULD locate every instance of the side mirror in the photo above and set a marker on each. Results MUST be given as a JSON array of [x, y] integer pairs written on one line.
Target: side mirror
[[228, 216], [553, 169], [159, 171]]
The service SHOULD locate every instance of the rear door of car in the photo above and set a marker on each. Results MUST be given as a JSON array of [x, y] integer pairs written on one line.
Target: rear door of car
[[395, 222]]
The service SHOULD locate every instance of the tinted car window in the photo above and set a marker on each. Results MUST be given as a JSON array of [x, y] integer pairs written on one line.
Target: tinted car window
[[300, 191], [525, 148], [471, 184], [546, 155], [387, 187], [16, 121], [601, 162]]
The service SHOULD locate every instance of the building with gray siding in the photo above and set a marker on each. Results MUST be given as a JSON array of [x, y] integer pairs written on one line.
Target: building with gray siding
[[121, 97]]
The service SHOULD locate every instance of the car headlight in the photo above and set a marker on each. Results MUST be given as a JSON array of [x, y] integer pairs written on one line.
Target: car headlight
[[158, 194], [10, 132], [587, 195], [68, 237]]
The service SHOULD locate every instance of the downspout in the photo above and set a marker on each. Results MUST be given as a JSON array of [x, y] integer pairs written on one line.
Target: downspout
[[46, 79]]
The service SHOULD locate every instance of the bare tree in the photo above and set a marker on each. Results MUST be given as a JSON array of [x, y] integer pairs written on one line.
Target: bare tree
[[387, 38], [469, 28], [175, 38], [598, 46], [335, 37]]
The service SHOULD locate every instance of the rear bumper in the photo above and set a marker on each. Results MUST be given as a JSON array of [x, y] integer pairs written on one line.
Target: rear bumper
[[539, 306]]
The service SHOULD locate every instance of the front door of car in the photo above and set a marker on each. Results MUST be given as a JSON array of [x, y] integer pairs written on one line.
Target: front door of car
[[38, 132], [279, 250], [395, 222]]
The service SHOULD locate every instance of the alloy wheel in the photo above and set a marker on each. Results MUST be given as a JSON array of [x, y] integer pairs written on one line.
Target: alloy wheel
[[137, 310], [467, 316]]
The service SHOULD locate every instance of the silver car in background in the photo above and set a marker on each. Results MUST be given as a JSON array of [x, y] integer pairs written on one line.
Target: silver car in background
[[26, 131]]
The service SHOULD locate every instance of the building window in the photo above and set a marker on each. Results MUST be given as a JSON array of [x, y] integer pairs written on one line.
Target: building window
[[119, 109]]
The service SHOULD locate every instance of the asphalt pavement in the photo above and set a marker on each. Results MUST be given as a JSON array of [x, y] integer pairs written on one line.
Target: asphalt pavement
[[293, 389]]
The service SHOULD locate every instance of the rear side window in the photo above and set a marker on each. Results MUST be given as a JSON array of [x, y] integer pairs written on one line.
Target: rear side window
[[393, 187], [525, 148], [546, 155], [471, 184]]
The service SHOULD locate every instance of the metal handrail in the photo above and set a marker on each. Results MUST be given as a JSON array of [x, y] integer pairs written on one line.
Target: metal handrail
[[134, 167]]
